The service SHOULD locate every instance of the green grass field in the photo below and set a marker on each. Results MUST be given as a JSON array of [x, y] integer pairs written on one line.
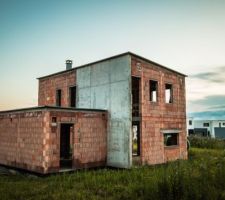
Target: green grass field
[[201, 177]]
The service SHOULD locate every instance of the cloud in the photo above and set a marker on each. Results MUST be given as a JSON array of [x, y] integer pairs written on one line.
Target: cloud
[[209, 115], [211, 101], [216, 76], [206, 93], [218, 107], [214, 106]]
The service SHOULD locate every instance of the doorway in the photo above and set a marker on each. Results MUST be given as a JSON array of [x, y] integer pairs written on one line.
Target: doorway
[[136, 138], [66, 144], [135, 96]]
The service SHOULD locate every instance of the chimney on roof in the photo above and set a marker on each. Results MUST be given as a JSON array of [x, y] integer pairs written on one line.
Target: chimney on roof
[[69, 64]]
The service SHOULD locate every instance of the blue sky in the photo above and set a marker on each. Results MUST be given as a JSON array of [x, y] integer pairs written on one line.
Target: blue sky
[[37, 36]]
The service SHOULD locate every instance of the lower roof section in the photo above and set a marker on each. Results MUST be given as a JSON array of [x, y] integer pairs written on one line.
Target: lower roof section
[[52, 108]]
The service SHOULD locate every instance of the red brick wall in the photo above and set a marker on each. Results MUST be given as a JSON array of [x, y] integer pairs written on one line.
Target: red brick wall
[[29, 141], [89, 139], [49, 85], [158, 116], [21, 143]]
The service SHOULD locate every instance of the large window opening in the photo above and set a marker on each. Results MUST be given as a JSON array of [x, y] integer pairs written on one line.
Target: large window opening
[[168, 93], [153, 85], [58, 97], [136, 139], [66, 144], [73, 96], [135, 96]]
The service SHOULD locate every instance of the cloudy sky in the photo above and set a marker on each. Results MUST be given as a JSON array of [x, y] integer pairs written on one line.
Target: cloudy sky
[[36, 37]]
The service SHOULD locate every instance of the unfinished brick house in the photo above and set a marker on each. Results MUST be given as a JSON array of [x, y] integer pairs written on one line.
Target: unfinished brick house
[[118, 112]]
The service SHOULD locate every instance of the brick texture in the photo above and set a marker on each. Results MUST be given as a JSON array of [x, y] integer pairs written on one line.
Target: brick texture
[[29, 141], [49, 85], [21, 143], [159, 116], [89, 135]]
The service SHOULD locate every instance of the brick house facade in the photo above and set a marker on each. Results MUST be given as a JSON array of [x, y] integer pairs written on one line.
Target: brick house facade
[[118, 111], [31, 138]]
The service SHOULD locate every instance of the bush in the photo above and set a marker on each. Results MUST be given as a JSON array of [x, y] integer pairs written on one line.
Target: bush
[[206, 142]]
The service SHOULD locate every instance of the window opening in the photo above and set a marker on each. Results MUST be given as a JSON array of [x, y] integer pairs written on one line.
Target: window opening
[[153, 85], [168, 93], [73, 96], [206, 124], [170, 139], [58, 97]]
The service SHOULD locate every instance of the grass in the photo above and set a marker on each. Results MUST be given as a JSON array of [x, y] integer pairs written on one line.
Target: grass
[[201, 177]]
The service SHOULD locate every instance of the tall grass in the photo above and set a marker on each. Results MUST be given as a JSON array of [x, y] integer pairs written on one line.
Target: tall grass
[[201, 177], [206, 142]]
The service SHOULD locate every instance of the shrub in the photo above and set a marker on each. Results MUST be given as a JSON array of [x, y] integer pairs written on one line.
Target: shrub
[[206, 142]]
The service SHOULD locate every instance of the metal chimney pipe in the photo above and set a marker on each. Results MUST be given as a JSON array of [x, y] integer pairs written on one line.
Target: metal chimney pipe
[[69, 64]]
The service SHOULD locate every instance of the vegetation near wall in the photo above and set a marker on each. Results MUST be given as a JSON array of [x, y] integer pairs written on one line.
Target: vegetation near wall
[[200, 177], [206, 142]]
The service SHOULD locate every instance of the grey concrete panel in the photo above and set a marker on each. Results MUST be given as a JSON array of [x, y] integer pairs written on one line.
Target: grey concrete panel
[[110, 88], [100, 97], [83, 97], [100, 74], [120, 108], [122, 73], [84, 77], [119, 144]]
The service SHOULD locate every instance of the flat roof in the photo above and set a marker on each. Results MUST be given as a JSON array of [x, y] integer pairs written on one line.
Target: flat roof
[[109, 58], [201, 120], [51, 108]]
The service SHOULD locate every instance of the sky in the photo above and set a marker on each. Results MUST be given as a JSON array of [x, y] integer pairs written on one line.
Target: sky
[[37, 36]]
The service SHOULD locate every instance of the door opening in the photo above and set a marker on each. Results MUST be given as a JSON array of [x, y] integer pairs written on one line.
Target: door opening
[[66, 144], [135, 96], [136, 138]]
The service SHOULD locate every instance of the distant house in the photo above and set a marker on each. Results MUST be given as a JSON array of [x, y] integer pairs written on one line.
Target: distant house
[[111, 112], [207, 128]]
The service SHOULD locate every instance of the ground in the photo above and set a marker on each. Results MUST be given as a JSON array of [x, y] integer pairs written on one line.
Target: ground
[[200, 177]]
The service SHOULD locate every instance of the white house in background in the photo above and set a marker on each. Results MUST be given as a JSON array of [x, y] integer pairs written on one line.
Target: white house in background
[[208, 128]]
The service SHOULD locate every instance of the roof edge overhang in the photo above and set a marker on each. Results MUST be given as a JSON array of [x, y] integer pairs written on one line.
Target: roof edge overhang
[[40, 108], [109, 58]]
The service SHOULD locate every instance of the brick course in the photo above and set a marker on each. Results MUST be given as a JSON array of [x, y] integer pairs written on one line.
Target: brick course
[[89, 139], [21, 143], [159, 116], [29, 141], [49, 85]]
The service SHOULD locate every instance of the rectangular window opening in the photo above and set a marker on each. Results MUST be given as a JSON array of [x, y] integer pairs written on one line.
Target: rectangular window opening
[[54, 119], [170, 139], [73, 96], [153, 85], [135, 96], [168, 93], [190, 122], [58, 97], [206, 124]]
